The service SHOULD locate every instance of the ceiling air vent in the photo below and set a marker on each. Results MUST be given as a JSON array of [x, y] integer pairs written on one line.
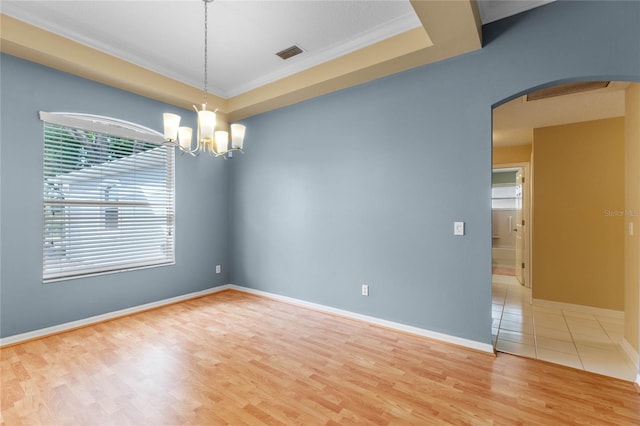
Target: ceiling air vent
[[566, 89], [290, 52]]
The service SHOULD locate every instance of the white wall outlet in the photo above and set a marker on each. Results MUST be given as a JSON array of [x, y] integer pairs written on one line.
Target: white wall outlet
[[218, 269], [365, 289], [458, 228]]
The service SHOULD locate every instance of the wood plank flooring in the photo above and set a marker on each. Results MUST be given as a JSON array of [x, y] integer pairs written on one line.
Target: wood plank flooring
[[234, 358]]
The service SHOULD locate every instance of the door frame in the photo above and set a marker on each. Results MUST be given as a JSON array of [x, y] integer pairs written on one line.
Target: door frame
[[526, 213]]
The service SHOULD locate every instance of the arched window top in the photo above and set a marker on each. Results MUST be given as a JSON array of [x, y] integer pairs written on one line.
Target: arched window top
[[101, 124]]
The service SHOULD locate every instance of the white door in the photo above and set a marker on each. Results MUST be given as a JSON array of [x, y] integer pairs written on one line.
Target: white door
[[520, 229]]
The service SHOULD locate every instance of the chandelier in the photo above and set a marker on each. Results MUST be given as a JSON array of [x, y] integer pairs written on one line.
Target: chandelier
[[208, 139]]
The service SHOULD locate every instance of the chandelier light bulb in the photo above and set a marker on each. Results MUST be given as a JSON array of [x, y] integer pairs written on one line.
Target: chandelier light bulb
[[184, 136], [222, 142], [171, 123], [237, 135]]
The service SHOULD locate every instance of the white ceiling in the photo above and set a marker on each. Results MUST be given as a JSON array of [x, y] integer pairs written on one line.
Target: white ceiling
[[167, 37]]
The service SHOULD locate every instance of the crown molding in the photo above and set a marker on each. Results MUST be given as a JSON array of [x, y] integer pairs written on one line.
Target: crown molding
[[383, 32]]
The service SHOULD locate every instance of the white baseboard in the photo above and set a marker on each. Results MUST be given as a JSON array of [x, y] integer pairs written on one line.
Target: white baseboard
[[630, 352], [17, 338], [23, 337], [578, 308], [472, 344]]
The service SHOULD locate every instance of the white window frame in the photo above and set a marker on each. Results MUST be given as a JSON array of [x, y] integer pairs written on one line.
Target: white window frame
[[80, 242]]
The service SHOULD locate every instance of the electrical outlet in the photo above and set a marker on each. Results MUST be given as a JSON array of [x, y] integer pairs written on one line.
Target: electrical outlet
[[365, 289], [458, 228], [218, 269]]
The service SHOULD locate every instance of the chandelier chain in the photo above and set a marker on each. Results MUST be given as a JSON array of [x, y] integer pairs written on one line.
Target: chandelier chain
[[206, 50]]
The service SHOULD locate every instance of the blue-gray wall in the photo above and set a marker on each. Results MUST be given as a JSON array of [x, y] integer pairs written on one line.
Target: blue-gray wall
[[201, 200], [363, 185], [359, 186]]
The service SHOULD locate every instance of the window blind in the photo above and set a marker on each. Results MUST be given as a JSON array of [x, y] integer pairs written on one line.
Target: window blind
[[108, 202]]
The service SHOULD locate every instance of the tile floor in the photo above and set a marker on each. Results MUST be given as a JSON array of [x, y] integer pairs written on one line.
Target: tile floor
[[580, 340]]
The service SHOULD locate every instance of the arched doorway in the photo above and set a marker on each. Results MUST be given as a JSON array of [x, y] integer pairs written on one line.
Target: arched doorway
[[582, 309]]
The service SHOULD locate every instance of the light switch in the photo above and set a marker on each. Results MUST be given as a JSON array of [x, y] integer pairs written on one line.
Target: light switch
[[458, 228]]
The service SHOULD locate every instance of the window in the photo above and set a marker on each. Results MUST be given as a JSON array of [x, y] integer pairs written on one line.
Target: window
[[503, 196], [504, 189], [108, 196]]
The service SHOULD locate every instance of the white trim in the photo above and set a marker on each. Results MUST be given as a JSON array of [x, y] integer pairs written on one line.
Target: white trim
[[43, 332], [630, 352], [101, 124], [578, 308], [459, 341]]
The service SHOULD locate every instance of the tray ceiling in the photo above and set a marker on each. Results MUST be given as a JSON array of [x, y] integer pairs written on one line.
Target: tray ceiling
[[372, 38]]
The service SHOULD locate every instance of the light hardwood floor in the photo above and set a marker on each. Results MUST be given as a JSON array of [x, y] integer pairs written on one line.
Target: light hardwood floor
[[234, 358]]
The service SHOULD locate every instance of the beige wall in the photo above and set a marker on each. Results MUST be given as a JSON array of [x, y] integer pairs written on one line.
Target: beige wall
[[632, 206], [511, 154], [578, 211]]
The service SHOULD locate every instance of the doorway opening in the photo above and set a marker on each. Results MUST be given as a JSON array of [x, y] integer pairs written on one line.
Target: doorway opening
[[509, 217], [562, 308]]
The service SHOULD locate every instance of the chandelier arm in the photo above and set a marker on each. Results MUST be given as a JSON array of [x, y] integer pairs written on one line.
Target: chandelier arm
[[226, 154], [192, 152]]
